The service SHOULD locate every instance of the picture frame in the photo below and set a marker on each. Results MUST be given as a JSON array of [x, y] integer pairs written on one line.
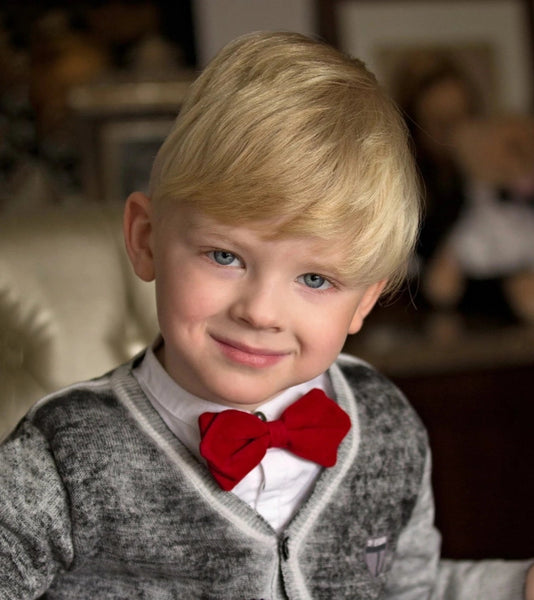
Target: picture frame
[[121, 127], [492, 39], [128, 149]]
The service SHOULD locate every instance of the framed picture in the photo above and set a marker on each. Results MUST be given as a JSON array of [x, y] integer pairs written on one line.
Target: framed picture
[[491, 39], [122, 125], [128, 149]]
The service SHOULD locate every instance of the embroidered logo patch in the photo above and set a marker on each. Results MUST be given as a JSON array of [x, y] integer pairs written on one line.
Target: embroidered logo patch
[[375, 555]]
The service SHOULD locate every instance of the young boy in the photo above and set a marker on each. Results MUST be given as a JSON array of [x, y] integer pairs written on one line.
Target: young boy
[[239, 457]]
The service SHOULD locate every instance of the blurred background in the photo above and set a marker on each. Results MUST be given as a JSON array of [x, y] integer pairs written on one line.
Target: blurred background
[[88, 91]]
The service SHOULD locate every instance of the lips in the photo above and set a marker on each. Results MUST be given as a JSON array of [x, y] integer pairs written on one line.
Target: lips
[[247, 355]]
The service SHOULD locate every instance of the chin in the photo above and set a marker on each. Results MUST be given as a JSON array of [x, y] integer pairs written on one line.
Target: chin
[[246, 403], [244, 400]]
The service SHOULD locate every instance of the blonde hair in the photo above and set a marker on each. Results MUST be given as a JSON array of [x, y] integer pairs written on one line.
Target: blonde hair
[[282, 126]]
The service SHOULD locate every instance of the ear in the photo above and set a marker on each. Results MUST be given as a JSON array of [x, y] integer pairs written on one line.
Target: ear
[[137, 228], [366, 304]]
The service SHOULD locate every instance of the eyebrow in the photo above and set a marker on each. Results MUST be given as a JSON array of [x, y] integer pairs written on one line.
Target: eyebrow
[[314, 264], [214, 235]]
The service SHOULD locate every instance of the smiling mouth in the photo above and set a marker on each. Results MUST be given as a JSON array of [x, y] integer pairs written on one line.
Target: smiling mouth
[[248, 356]]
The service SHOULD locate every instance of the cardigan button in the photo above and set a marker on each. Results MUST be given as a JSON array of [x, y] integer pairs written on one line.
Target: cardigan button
[[284, 547]]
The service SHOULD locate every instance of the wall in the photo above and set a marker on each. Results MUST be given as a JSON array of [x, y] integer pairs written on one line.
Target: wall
[[219, 21]]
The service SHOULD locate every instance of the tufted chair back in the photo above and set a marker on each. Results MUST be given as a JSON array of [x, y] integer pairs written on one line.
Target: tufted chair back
[[71, 307]]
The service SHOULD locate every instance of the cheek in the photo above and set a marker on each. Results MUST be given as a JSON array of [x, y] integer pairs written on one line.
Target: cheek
[[186, 299], [327, 333]]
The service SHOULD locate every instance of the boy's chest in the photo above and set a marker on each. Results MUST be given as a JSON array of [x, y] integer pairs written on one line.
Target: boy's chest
[[134, 512]]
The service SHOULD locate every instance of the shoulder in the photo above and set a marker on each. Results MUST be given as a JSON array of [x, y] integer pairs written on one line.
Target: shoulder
[[377, 398], [78, 407], [365, 381], [88, 425]]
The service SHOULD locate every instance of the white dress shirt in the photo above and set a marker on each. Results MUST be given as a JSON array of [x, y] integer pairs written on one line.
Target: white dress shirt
[[280, 483]]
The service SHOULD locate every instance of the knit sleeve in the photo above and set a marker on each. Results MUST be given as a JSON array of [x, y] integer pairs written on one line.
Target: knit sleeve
[[414, 570], [35, 533], [488, 579], [419, 574]]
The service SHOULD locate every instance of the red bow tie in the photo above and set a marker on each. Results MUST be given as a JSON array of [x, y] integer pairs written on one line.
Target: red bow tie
[[234, 442]]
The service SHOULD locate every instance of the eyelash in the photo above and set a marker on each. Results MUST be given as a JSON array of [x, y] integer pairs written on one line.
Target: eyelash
[[212, 254]]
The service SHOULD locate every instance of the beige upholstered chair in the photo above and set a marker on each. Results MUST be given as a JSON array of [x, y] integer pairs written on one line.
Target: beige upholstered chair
[[71, 307]]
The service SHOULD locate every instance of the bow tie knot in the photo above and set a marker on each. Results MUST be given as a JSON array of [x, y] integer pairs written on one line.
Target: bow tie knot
[[233, 442], [278, 434]]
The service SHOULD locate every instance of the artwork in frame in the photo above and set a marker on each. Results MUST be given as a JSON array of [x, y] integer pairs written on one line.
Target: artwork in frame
[[491, 39], [128, 151], [122, 125]]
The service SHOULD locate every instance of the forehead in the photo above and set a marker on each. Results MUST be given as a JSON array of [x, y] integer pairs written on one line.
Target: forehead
[[267, 233]]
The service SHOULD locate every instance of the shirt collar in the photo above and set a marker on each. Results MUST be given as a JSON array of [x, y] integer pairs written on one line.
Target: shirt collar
[[170, 398]]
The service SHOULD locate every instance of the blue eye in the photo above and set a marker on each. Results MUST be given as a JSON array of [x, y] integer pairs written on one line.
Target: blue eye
[[314, 281], [223, 257]]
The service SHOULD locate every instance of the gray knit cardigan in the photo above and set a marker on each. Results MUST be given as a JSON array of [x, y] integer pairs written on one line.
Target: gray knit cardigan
[[98, 500]]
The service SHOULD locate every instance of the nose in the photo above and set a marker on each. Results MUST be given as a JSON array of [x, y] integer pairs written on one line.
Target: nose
[[259, 305]]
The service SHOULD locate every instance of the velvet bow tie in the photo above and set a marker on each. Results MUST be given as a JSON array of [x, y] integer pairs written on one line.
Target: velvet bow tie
[[233, 442]]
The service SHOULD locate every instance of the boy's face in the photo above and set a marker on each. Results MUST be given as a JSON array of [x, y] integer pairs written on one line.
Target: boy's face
[[243, 317]]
